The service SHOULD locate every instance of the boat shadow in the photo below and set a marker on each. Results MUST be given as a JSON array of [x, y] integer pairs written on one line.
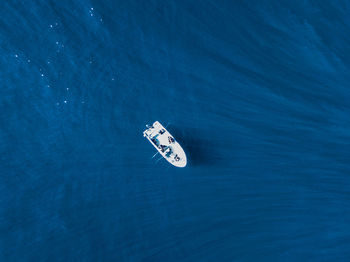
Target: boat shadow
[[199, 150]]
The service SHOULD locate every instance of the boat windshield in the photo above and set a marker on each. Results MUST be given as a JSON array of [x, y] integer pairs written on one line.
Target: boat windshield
[[155, 141]]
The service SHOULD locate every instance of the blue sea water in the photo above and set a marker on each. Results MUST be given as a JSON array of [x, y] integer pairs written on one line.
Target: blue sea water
[[257, 92]]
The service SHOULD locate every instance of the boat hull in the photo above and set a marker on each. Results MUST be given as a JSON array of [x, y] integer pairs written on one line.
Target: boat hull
[[165, 144]]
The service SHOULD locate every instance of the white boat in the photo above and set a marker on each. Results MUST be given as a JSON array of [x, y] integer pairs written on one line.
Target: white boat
[[166, 145]]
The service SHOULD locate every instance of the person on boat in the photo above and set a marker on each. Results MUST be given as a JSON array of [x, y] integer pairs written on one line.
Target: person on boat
[[163, 148], [168, 152]]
